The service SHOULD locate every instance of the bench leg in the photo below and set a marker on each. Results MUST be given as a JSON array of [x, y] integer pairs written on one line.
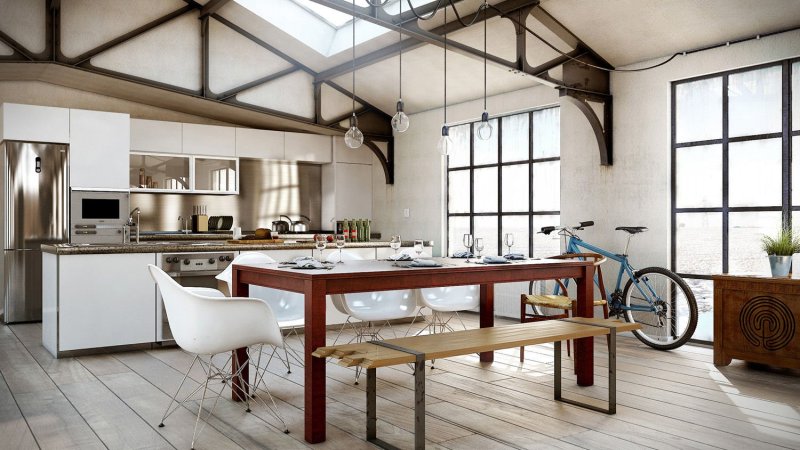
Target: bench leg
[[612, 376], [419, 407]]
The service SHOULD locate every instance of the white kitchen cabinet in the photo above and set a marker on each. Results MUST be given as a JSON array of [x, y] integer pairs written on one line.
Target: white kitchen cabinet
[[209, 140], [34, 123], [94, 301], [156, 136], [99, 147], [345, 154], [261, 144], [306, 147], [346, 191]]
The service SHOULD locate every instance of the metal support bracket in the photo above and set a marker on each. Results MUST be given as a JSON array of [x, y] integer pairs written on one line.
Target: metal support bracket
[[419, 400], [612, 372]]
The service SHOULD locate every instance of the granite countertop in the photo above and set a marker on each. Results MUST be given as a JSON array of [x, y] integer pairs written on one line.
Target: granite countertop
[[205, 246]]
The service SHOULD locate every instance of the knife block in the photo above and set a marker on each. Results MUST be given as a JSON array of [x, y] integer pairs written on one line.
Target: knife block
[[199, 223]]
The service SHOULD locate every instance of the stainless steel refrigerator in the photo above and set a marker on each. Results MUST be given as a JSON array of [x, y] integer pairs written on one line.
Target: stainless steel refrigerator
[[35, 212]]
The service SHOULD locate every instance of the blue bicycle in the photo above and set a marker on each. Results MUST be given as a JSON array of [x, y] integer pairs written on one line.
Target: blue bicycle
[[654, 297]]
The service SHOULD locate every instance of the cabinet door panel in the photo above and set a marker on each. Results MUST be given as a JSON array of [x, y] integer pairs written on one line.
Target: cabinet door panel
[[308, 148], [262, 144], [106, 300], [209, 140], [34, 123], [99, 148], [156, 136], [353, 191]]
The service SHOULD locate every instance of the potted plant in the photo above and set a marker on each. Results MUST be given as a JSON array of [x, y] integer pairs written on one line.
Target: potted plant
[[780, 249]]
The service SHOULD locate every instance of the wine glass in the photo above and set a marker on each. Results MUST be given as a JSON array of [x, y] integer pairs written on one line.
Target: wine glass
[[320, 240], [418, 247], [340, 246], [479, 246], [508, 239], [468, 243], [395, 243]]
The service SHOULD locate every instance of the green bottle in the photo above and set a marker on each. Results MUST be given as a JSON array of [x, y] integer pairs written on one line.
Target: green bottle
[[369, 230]]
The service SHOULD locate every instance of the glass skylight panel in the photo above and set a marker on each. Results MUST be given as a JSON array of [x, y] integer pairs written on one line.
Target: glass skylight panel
[[332, 16]]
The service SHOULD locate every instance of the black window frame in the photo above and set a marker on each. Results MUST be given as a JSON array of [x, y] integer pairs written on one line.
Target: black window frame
[[786, 134], [471, 167]]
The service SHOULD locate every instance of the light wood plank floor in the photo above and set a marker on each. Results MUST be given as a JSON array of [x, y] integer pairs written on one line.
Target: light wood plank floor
[[676, 399]]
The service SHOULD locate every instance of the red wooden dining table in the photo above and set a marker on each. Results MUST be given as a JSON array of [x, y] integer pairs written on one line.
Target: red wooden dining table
[[370, 276]]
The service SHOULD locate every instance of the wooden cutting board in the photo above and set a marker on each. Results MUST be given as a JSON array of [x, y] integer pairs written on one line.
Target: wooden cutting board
[[255, 241]]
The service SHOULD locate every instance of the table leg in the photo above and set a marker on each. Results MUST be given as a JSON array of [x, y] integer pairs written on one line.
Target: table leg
[[315, 367], [487, 314], [584, 347], [240, 357]]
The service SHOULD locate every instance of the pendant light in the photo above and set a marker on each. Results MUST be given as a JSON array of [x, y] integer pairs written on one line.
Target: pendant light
[[485, 128], [400, 121], [445, 143], [354, 137]]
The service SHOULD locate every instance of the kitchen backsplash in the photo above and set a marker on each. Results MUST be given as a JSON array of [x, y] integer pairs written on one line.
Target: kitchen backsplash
[[266, 190]]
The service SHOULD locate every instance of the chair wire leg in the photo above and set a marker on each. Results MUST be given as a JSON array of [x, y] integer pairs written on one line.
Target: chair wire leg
[[185, 376], [200, 409], [259, 382]]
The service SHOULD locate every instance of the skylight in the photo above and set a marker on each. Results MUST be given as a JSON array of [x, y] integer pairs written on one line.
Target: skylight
[[326, 30]]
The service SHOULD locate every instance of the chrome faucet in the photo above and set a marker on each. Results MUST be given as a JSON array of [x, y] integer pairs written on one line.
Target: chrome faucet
[[138, 213]]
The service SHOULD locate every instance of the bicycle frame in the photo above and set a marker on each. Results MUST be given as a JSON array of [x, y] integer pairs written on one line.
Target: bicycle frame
[[575, 244]]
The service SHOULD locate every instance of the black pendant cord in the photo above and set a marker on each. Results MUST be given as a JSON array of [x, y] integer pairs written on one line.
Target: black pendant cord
[[354, 57], [485, 7], [445, 69], [400, 42]]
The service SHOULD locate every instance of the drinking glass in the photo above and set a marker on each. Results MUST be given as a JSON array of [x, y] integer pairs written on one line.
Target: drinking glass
[[320, 240], [395, 243], [509, 240], [418, 247], [479, 246], [468, 243], [340, 246]]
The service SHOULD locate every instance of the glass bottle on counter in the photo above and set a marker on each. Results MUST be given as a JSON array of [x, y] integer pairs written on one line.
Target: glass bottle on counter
[[361, 230], [346, 230], [354, 230], [368, 233]]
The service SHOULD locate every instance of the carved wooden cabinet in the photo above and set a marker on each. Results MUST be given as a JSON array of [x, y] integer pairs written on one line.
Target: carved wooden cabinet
[[756, 319]]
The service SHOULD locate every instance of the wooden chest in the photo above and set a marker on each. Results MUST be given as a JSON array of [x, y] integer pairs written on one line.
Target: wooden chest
[[756, 319]]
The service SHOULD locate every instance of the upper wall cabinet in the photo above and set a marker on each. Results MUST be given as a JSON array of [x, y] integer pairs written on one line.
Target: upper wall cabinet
[[262, 144], [99, 147], [308, 148], [344, 154], [34, 123], [156, 136], [209, 140]]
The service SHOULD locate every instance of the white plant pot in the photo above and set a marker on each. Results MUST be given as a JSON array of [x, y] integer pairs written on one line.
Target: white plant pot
[[780, 265]]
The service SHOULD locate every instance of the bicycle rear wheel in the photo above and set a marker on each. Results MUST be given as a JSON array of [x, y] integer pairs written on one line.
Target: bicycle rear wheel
[[672, 319]]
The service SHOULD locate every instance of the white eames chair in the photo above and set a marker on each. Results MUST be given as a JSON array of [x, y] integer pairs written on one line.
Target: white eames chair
[[289, 307], [206, 324], [444, 300], [372, 307]]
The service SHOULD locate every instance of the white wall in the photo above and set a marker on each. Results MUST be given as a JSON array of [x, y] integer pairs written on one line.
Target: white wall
[[636, 189]]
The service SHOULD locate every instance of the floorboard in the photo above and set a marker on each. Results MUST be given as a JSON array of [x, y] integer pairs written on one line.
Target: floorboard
[[666, 400]]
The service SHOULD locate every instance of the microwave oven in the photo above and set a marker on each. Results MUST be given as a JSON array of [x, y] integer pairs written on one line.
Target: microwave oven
[[98, 217]]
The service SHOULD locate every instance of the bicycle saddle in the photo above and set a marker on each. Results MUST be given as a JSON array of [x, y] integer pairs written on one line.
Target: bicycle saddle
[[632, 230]]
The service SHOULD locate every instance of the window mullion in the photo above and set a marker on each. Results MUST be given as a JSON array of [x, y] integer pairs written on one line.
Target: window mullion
[[725, 175]]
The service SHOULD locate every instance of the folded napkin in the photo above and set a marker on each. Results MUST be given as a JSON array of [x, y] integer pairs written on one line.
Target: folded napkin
[[463, 255], [300, 259], [400, 257], [310, 264], [424, 263], [515, 256], [495, 260]]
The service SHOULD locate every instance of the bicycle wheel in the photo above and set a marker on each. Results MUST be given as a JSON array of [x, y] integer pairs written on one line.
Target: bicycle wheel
[[674, 319]]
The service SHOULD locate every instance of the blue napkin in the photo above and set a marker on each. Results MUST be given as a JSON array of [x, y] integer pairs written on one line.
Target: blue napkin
[[424, 263], [495, 260], [515, 256], [400, 257], [463, 255]]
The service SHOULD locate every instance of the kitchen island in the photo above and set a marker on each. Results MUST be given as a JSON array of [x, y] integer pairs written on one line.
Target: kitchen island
[[100, 297]]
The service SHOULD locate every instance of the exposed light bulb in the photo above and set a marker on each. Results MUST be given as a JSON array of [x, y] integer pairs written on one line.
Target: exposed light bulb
[[354, 137], [400, 121], [445, 143], [485, 128]]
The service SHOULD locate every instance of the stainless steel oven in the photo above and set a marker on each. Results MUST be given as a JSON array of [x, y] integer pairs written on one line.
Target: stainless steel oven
[[98, 217], [197, 269]]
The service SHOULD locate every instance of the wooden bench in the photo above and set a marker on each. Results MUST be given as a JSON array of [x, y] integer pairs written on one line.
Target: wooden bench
[[417, 349]]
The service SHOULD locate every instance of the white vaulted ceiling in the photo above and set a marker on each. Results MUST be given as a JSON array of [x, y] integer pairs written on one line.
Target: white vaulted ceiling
[[294, 34]]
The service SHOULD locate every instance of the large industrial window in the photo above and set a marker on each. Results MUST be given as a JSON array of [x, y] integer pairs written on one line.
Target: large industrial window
[[507, 184], [732, 173]]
